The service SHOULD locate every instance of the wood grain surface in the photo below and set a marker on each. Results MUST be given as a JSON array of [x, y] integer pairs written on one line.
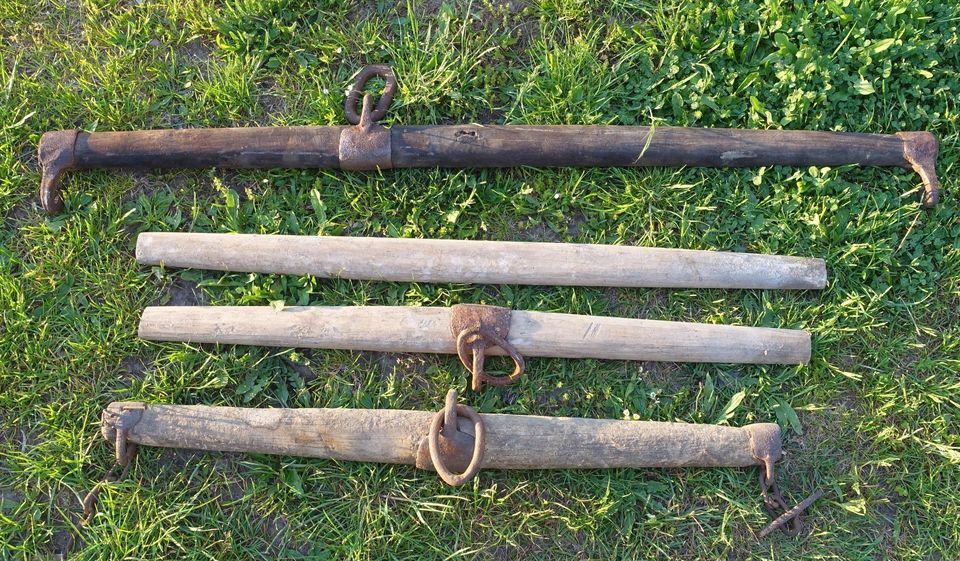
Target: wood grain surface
[[487, 262], [427, 330], [393, 436]]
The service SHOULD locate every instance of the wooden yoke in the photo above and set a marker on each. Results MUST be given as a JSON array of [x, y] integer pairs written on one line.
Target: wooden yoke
[[407, 329]]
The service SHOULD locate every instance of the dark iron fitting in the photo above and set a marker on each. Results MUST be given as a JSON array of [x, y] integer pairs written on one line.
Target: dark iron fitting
[[366, 145]]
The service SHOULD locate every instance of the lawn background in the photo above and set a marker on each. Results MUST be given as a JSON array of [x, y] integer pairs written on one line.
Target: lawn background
[[872, 419]]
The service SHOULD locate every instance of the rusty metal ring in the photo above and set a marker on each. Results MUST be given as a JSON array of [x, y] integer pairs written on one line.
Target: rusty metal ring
[[475, 366], [353, 97], [479, 441]]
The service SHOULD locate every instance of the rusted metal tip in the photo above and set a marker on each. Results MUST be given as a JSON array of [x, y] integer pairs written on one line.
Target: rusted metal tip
[[116, 421], [793, 514], [120, 415], [765, 445], [56, 153], [920, 149]]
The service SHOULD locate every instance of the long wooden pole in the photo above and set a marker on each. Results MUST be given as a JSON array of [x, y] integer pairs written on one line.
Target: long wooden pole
[[488, 262], [468, 146], [427, 329], [396, 436]]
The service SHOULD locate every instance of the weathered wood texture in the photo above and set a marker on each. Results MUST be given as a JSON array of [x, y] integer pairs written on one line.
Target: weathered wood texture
[[427, 329], [490, 146], [477, 146], [393, 436], [554, 146], [418, 260], [254, 147]]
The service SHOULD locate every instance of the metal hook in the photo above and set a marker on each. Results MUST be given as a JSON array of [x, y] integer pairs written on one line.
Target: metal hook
[[120, 422], [477, 328], [445, 423], [353, 97], [789, 521]]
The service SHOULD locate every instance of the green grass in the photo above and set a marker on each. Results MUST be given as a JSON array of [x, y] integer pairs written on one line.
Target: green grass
[[876, 410]]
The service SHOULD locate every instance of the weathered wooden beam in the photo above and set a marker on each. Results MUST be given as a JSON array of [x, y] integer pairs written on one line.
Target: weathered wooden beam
[[398, 437], [428, 329], [368, 146], [470, 146], [489, 262]]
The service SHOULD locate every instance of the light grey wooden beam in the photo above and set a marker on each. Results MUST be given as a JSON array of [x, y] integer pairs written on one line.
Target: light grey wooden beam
[[487, 262]]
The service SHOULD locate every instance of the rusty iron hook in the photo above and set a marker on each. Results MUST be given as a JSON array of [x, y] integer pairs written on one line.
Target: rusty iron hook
[[445, 423], [120, 424], [353, 97], [475, 329], [476, 341], [789, 520]]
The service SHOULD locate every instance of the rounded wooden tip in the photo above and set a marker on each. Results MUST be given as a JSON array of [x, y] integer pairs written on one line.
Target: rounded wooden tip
[[146, 328], [142, 252], [805, 348]]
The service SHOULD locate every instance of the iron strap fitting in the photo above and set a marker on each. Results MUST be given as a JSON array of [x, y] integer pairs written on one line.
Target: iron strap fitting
[[766, 450], [477, 328], [366, 145], [56, 154], [116, 425], [448, 446]]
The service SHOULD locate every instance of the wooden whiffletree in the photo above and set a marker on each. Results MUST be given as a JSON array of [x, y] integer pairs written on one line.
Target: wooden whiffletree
[[474, 331], [368, 146], [456, 442]]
